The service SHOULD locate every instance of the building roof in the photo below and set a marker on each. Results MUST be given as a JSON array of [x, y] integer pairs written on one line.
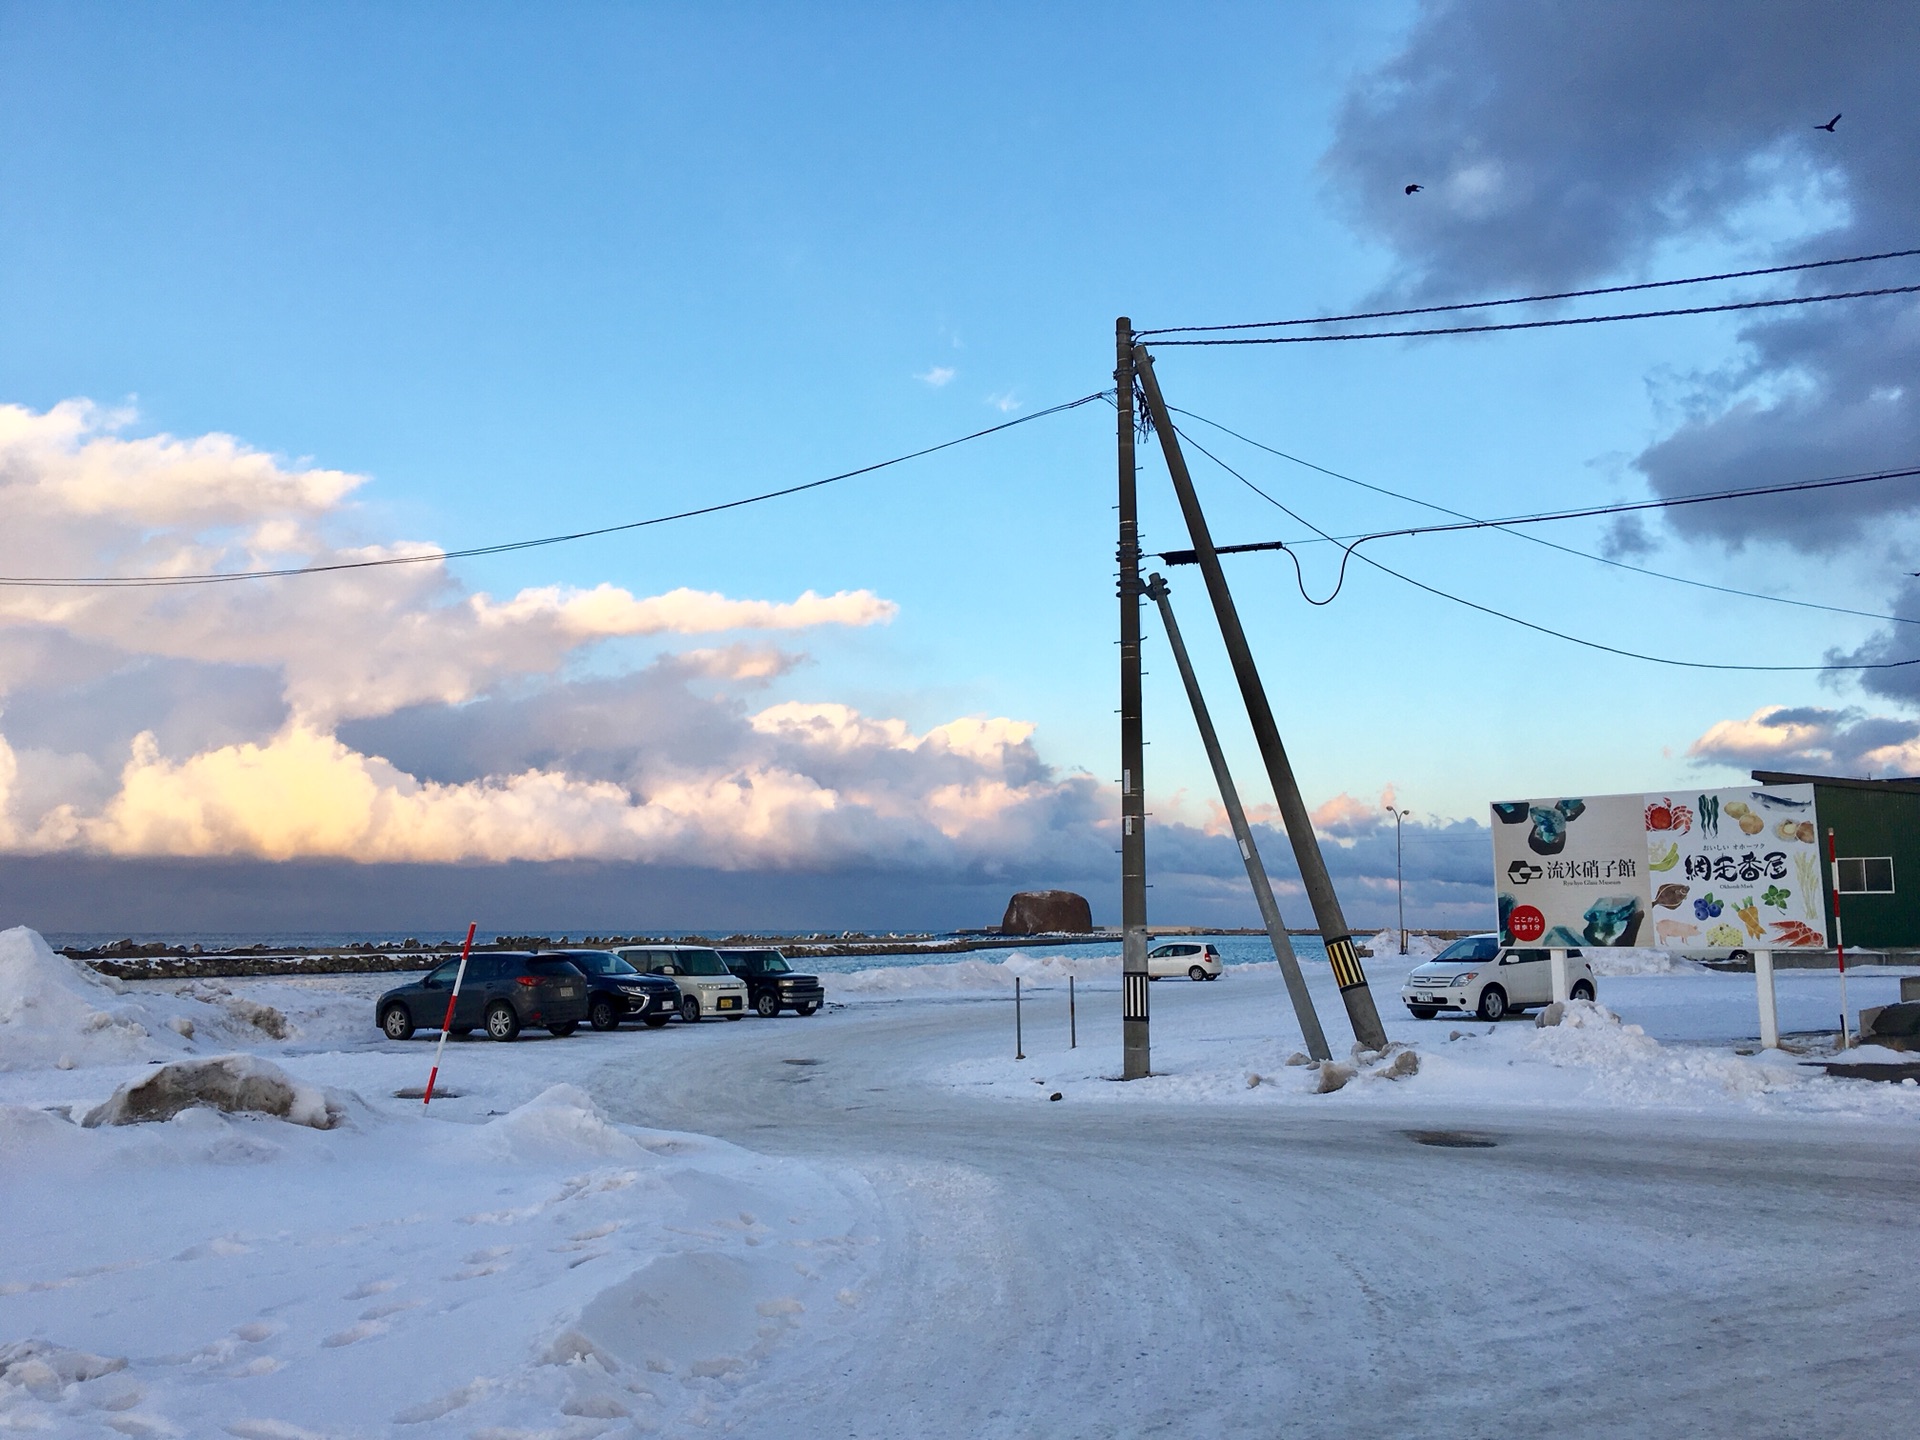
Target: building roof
[[1896, 785]]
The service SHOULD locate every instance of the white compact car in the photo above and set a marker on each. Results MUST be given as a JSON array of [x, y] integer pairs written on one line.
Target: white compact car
[[1196, 959], [707, 987], [1477, 976]]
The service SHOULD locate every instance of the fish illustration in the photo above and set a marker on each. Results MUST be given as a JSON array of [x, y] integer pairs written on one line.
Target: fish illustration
[[1780, 800], [1668, 897]]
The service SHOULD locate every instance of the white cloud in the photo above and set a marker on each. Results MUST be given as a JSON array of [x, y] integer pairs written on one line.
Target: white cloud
[[1003, 401], [937, 376], [1814, 740]]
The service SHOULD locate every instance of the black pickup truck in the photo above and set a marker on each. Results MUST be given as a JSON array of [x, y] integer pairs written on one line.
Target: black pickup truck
[[772, 986]]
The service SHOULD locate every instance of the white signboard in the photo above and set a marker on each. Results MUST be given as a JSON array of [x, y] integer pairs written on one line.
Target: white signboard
[[1710, 871]]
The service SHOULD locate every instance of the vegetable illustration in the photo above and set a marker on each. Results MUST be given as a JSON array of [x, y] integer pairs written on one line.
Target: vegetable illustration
[[1751, 824], [1669, 896], [1749, 914], [1666, 860], [1776, 896], [1709, 815], [1706, 907], [1724, 936], [1809, 871], [1804, 832]]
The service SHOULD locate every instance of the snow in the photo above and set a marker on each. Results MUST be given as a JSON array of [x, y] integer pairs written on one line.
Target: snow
[[863, 1223]]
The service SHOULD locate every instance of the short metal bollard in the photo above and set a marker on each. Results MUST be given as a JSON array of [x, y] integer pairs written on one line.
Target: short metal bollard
[[1019, 1050], [1073, 1032]]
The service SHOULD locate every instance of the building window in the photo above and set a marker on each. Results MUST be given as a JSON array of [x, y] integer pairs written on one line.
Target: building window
[[1870, 875]]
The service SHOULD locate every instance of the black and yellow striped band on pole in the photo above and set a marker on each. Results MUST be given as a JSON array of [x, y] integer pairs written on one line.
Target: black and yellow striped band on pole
[[1345, 960]]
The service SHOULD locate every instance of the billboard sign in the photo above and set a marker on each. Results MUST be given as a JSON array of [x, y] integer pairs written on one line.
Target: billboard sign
[[1712, 871]]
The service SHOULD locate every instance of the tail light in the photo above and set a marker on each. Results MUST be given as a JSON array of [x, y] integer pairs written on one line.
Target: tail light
[[527, 980]]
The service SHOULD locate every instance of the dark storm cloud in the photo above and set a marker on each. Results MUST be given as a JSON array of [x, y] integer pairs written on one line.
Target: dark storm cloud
[[1564, 144]]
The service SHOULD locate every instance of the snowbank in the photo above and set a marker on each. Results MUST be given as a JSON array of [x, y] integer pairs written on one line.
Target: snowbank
[[560, 1123], [56, 1011], [234, 1083], [972, 976]]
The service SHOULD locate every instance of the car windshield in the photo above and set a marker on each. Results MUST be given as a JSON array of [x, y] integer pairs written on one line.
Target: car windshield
[[698, 962], [601, 962], [765, 962], [1474, 947]]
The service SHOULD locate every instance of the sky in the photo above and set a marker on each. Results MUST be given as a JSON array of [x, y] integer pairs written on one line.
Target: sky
[[295, 284]]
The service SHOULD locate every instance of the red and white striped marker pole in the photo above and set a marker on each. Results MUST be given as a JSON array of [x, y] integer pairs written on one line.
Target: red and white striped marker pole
[[1839, 936], [447, 1024]]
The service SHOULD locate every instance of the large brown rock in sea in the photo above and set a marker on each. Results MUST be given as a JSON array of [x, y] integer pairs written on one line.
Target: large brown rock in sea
[[1047, 912]]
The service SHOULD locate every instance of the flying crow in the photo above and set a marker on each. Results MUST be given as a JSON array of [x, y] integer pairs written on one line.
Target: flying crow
[[1412, 188], [1828, 127]]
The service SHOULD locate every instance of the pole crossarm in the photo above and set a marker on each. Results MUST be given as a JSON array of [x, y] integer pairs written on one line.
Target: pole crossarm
[[1341, 954]]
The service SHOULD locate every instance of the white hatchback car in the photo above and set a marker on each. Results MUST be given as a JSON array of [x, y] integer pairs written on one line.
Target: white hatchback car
[[1477, 976], [1196, 959], [707, 987]]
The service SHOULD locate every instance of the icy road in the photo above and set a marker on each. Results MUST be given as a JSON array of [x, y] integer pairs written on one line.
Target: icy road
[[1090, 1269], [875, 1222]]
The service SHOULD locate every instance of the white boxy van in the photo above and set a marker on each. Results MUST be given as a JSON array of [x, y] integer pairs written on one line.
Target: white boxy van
[[707, 987]]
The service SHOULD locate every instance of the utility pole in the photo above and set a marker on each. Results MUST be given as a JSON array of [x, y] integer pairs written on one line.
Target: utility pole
[[1303, 1009], [1137, 1058], [1399, 888], [1327, 914]]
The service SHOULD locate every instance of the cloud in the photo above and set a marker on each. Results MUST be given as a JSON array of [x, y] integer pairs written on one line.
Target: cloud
[[1564, 144], [1813, 740], [937, 375], [1003, 401]]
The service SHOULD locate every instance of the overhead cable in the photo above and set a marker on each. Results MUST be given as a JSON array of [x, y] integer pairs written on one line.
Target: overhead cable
[[1515, 619], [134, 582], [1547, 324], [1529, 299], [1538, 539]]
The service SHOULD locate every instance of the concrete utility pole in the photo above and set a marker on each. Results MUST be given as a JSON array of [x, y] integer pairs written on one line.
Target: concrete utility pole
[[1137, 1058], [1347, 973], [1303, 1009]]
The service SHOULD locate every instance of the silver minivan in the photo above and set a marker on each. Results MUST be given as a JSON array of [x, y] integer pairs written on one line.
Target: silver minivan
[[707, 987]]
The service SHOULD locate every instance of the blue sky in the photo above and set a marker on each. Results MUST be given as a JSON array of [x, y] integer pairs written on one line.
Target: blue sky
[[540, 269]]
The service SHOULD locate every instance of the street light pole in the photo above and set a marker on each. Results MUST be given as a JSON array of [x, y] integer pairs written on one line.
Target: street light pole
[[1399, 885]]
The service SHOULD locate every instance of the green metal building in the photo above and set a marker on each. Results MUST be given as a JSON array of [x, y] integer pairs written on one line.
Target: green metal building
[[1876, 830]]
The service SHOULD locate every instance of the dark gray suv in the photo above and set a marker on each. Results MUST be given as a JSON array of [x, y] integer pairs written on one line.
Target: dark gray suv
[[503, 992]]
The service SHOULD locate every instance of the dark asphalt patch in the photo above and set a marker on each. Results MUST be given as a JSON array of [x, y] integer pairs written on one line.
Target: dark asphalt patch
[[1451, 1139]]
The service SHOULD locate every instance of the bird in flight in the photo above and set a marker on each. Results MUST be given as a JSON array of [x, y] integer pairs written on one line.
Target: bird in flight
[[1828, 127], [1411, 188]]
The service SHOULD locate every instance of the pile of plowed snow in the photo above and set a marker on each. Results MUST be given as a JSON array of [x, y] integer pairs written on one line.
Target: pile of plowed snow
[[973, 976], [60, 1012]]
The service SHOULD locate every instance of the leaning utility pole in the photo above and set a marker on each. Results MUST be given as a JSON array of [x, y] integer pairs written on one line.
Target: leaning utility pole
[[1137, 1060], [1303, 1009], [1347, 973]]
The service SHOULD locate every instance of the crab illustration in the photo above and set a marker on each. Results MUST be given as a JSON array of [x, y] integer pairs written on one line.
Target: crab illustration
[[1665, 815]]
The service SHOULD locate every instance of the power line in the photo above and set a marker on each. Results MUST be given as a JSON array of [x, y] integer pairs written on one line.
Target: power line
[[1538, 540], [138, 582], [1549, 324], [1515, 619], [1529, 299]]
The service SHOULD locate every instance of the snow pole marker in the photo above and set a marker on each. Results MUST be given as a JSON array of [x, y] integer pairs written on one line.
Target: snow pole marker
[[1019, 1049], [1839, 936], [447, 1024]]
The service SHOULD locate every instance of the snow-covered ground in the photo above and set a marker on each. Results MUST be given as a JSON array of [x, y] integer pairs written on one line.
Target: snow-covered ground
[[877, 1222]]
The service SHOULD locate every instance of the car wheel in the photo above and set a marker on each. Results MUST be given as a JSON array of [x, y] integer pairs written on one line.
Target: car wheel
[[1740, 957], [1493, 1003], [768, 1004], [1216, 975], [806, 1009], [1423, 1012], [1582, 991], [397, 1022], [1196, 972], [502, 1022], [654, 1022], [601, 1015], [690, 1009], [562, 1031]]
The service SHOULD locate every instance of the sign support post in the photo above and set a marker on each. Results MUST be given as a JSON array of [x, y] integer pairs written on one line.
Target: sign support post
[[1763, 989], [1557, 964]]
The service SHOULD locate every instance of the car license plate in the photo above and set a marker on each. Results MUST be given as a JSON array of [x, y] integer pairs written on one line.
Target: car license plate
[[729, 1002], [568, 991], [1424, 999]]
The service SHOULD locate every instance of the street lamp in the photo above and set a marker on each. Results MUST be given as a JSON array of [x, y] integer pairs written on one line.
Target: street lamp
[[1399, 889]]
